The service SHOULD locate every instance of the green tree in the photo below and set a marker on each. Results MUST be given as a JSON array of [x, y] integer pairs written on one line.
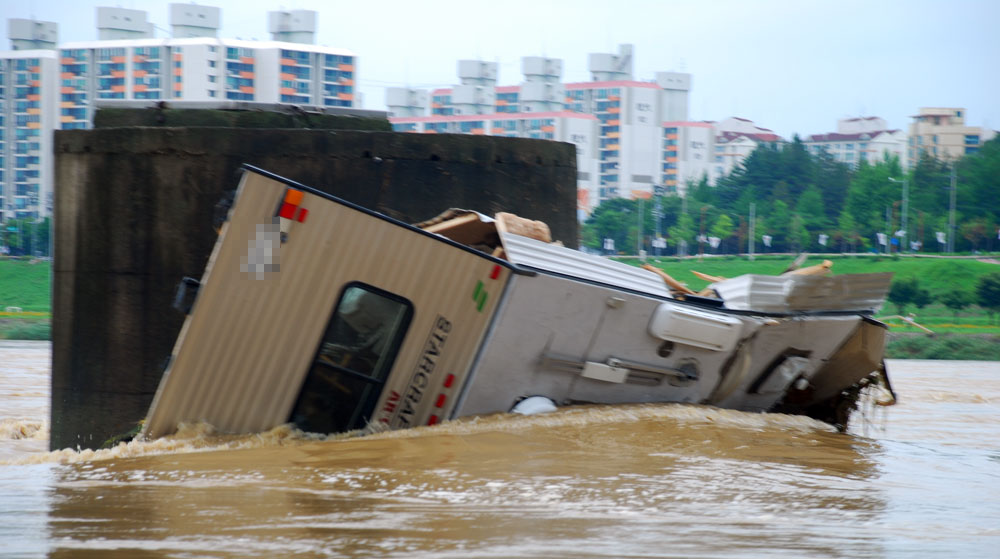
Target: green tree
[[870, 192], [701, 191], [979, 182], [988, 293], [810, 207], [26, 236], [798, 167], [847, 232], [777, 224], [956, 300], [976, 231], [722, 228], [832, 180], [904, 291], [683, 230], [798, 235], [610, 220]]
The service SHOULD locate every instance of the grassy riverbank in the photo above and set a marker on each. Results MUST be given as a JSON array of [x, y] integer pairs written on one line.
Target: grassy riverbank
[[936, 275], [977, 347], [968, 334], [25, 300]]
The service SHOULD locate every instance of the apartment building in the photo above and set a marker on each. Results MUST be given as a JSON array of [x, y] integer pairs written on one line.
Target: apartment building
[[29, 110], [614, 120], [735, 139], [860, 139], [942, 132], [57, 86], [687, 154]]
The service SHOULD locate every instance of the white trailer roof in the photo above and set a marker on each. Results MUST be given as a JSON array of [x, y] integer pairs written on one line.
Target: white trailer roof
[[558, 259]]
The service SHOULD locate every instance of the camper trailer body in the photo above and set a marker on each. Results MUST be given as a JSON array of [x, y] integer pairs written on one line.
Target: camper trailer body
[[321, 313]]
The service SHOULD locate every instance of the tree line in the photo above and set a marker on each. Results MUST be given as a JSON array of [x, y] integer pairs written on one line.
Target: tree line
[[25, 237], [808, 201]]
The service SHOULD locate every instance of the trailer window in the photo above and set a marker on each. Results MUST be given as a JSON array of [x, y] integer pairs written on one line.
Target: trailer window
[[354, 358]]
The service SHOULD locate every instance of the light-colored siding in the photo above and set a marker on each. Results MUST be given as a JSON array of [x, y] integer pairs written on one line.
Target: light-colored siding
[[245, 349]]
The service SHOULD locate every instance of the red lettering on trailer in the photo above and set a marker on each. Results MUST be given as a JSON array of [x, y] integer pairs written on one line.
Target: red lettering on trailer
[[414, 393]]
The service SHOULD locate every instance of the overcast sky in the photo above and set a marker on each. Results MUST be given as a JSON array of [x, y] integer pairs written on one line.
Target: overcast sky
[[794, 66]]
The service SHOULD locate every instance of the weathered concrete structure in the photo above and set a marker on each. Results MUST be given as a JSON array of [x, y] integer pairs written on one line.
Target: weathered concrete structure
[[134, 213]]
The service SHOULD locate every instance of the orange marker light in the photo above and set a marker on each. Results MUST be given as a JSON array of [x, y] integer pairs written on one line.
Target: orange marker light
[[293, 197]]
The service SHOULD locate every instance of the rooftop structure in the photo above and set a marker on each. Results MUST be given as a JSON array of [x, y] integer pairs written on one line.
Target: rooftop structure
[[192, 20], [293, 26], [29, 34], [121, 23]]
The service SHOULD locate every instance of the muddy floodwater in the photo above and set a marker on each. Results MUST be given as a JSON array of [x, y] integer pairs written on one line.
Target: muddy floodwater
[[921, 479]]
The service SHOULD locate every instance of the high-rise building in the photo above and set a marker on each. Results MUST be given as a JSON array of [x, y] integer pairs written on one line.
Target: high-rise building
[[614, 120], [205, 69], [57, 86], [687, 154], [860, 138], [942, 133], [29, 108]]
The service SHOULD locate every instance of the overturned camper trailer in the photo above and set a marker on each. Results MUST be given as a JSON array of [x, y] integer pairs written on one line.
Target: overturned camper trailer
[[321, 313]]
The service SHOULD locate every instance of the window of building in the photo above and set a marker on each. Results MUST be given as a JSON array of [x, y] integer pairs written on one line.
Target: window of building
[[971, 139]]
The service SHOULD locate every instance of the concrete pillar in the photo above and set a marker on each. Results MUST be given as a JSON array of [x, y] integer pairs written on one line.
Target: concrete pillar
[[134, 212]]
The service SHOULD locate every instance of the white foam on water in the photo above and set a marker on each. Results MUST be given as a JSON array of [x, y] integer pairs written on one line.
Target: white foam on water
[[18, 429], [605, 414], [201, 437]]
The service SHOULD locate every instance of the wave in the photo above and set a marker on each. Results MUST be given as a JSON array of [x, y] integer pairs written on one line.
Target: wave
[[201, 437], [17, 429]]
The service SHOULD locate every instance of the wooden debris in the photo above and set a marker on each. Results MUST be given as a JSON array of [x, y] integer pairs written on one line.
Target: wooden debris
[[795, 265], [817, 270], [510, 223], [448, 224], [463, 226], [673, 284], [708, 278]]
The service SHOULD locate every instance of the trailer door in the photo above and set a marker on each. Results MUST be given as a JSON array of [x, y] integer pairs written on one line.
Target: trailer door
[[354, 358]]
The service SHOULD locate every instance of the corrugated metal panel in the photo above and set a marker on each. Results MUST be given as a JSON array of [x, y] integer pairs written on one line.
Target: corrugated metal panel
[[848, 292], [559, 259], [245, 350]]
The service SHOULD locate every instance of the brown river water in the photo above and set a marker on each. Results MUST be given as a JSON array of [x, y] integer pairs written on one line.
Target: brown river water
[[920, 479]]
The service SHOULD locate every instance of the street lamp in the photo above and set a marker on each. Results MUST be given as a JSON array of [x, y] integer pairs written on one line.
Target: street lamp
[[906, 210]]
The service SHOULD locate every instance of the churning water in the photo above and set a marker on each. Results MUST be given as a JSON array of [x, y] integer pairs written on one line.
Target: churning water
[[921, 479]]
